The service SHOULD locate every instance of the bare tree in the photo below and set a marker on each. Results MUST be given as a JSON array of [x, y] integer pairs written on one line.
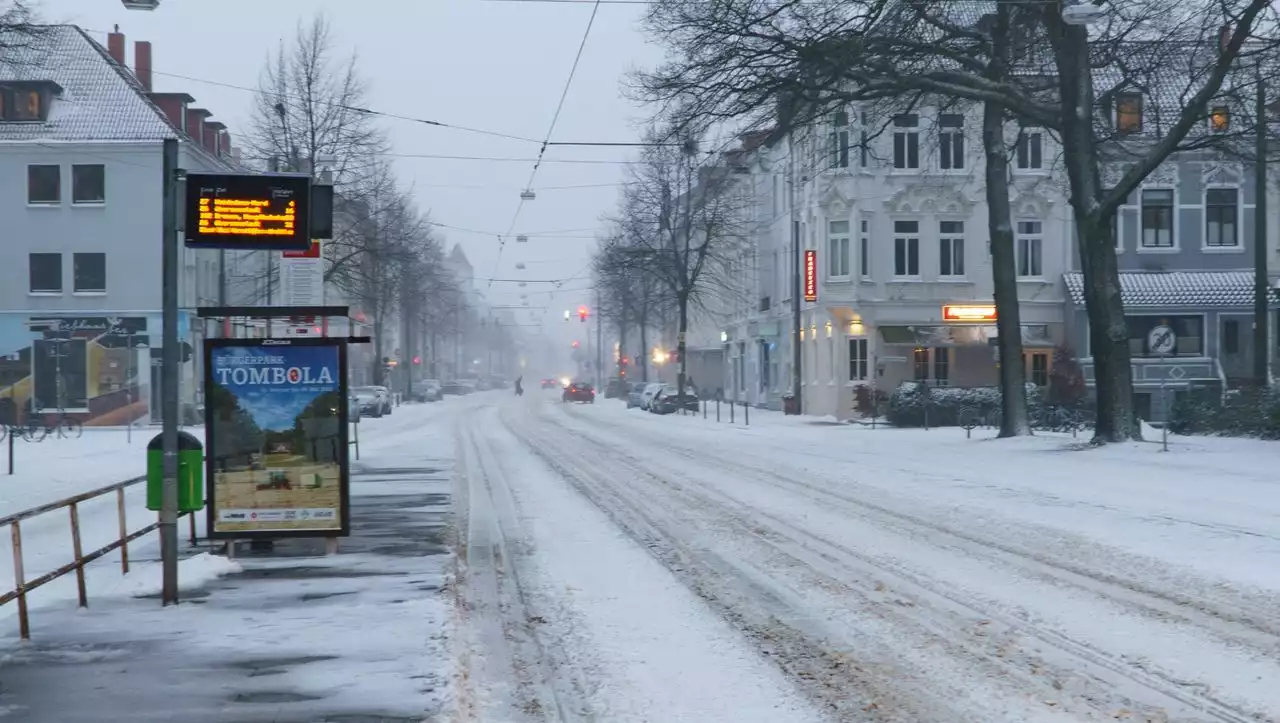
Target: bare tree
[[745, 58], [630, 297], [681, 222]]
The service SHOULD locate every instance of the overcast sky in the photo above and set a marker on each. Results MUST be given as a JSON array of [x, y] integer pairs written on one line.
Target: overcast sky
[[498, 66]]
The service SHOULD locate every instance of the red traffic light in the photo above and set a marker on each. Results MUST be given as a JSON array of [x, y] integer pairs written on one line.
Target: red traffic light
[[417, 360], [575, 344], [582, 313]]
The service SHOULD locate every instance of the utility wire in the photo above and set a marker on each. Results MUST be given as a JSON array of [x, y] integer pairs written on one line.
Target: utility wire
[[564, 94]]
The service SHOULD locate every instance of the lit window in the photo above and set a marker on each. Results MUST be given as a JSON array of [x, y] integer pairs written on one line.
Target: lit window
[[1129, 113], [1219, 119]]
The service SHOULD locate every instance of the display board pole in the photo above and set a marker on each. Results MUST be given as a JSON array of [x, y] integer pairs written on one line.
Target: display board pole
[[169, 377]]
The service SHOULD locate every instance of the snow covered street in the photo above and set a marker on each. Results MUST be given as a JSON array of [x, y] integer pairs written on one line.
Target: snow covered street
[[613, 565], [885, 575]]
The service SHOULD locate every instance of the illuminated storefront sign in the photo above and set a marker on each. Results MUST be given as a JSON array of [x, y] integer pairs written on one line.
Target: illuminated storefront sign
[[810, 275], [960, 312], [244, 211]]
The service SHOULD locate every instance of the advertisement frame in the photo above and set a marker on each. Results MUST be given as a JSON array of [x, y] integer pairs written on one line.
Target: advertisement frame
[[344, 460]]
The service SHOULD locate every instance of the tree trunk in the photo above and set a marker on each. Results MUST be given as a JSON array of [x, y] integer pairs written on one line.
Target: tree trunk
[[377, 351], [622, 348], [683, 302], [1108, 332], [1004, 273], [644, 347]]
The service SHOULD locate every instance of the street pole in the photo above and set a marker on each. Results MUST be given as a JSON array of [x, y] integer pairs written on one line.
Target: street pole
[[169, 376], [797, 282], [1261, 347], [599, 343]]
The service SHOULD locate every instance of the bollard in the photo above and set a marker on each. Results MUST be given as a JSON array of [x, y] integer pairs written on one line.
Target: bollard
[[10, 435], [746, 414], [717, 410], [732, 404], [704, 409]]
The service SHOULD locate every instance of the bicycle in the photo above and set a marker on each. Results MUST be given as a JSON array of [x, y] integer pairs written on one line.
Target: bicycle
[[36, 431]]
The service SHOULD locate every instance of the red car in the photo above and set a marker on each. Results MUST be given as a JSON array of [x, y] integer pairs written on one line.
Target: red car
[[579, 392]]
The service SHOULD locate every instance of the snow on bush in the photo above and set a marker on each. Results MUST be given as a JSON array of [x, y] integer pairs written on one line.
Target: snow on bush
[[1237, 413], [910, 401]]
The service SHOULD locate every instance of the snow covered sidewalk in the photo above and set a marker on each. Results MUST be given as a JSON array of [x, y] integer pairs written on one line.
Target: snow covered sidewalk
[[293, 637]]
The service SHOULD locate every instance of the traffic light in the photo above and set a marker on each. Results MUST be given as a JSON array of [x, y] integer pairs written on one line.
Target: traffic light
[[582, 314], [575, 343], [417, 360]]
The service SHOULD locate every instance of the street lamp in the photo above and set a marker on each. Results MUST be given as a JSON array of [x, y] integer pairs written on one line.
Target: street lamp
[[140, 4], [1084, 13]]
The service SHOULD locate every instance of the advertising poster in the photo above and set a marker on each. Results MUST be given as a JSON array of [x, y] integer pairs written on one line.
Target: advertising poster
[[276, 438]]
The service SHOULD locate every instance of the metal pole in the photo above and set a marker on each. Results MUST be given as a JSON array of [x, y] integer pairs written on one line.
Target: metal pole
[[128, 371], [1164, 402], [797, 283], [1260, 281], [599, 343], [169, 377]]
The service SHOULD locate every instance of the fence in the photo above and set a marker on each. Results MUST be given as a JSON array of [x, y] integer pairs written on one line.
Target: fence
[[81, 558]]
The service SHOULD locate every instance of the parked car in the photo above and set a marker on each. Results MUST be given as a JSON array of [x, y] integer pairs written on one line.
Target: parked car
[[650, 391], [635, 394], [579, 392], [669, 401], [468, 386], [453, 386], [616, 389], [431, 390], [370, 401]]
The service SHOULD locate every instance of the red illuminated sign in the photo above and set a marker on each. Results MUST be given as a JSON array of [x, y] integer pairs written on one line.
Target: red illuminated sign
[[311, 253], [810, 275], [962, 312]]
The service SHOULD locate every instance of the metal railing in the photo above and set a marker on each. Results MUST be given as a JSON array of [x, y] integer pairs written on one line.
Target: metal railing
[[81, 558]]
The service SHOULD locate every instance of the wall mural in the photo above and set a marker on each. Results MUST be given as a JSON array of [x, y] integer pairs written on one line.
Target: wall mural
[[94, 368]]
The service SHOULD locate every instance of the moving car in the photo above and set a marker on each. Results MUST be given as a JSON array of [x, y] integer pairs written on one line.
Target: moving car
[[550, 383], [635, 393], [429, 389], [579, 392], [616, 388]]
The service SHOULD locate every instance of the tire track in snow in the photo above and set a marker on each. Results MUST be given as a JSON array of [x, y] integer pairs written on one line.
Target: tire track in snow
[[507, 666], [1172, 693]]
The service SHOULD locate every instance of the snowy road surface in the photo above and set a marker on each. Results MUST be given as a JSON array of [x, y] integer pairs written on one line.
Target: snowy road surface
[[618, 566]]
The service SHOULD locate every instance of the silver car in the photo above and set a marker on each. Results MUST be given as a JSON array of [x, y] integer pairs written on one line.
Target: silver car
[[634, 394]]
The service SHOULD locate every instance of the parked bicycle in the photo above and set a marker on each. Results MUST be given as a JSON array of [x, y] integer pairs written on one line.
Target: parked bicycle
[[35, 429]]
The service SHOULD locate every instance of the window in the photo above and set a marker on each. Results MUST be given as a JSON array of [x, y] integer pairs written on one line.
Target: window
[[1030, 261], [1030, 150], [1221, 209], [1219, 119], [920, 364], [46, 273], [1189, 331], [1129, 112], [838, 248], [90, 272], [1157, 218], [838, 140], [1040, 369], [906, 141], [1231, 336], [88, 184], [951, 141], [942, 366], [906, 248], [44, 184], [864, 251], [859, 360], [20, 105], [950, 248]]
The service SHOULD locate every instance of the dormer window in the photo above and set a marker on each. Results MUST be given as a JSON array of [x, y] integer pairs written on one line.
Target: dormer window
[[1219, 119], [26, 101], [1129, 112]]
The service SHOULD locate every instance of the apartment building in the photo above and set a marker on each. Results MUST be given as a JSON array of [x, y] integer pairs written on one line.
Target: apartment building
[[81, 136]]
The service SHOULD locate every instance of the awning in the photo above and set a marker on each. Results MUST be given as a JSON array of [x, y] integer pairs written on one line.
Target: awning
[[1033, 335], [1175, 289]]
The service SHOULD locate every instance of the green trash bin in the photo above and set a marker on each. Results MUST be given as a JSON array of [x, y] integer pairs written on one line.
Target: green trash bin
[[190, 473]]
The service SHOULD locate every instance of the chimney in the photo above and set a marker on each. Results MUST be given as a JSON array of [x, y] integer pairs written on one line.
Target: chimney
[[195, 123], [115, 45], [142, 63], [174, 106], [212, 136]]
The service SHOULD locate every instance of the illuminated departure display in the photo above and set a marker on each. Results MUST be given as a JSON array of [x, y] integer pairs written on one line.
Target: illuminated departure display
[[245, 211]]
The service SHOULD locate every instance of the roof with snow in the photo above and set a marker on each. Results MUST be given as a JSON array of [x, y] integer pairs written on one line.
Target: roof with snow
[[100, 100], [1176, 289]]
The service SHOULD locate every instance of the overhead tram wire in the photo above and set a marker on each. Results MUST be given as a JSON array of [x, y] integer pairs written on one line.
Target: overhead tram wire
[[564, 94]]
